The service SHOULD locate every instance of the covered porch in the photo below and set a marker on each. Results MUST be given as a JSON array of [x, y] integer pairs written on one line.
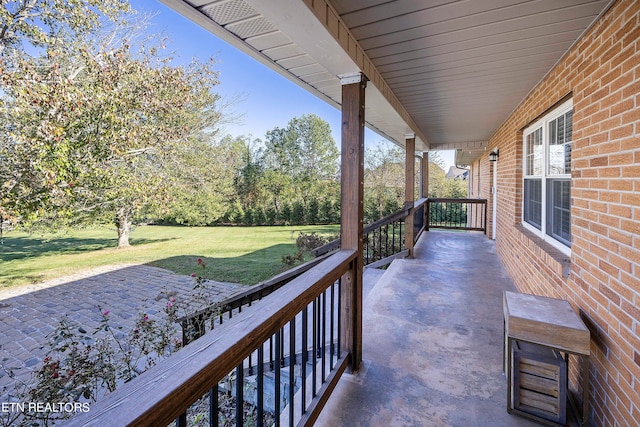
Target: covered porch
[[432, 341], [426, 340], [432, 336]]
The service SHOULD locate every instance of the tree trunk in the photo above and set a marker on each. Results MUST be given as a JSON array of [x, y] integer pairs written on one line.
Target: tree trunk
[[123, 222]]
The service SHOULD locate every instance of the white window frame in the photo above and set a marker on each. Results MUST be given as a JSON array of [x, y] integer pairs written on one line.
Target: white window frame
[[545, 176]]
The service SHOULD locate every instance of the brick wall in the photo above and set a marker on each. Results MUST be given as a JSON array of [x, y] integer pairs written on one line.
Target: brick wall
[[601, 279]]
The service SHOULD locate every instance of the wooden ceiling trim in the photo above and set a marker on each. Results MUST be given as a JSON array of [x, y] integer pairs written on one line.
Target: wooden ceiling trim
[[329, 17]]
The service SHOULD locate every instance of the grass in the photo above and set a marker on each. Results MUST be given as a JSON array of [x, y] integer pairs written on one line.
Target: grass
[[244, 255]]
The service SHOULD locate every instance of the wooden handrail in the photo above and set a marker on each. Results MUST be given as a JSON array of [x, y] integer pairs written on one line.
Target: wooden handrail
[[454, 200], [420, 202], [389, 219], [479, 219], [168, 389], [335, 244]]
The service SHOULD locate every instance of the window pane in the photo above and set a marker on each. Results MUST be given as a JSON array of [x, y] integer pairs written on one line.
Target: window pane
[[534, 153], [560, 132], [568, 140], [559, 210], [533, 202]]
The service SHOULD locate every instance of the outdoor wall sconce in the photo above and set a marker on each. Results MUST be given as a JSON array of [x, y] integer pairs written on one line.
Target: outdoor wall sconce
[[494, 154]]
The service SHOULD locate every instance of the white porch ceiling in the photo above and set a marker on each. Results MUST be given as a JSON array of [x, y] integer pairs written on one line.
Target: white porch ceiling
[[448, 71]]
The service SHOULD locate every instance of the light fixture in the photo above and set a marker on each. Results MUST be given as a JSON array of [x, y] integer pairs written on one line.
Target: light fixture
[[494, 154]]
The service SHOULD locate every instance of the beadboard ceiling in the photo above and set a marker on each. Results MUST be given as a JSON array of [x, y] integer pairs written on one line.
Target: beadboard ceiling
[[448, 71]]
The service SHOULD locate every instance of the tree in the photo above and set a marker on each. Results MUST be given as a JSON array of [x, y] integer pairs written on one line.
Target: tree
[[305, 151], [45, 23], [439, 185], [384, 180], [27, 29], [95, 130], [250, 172], [203, 190]]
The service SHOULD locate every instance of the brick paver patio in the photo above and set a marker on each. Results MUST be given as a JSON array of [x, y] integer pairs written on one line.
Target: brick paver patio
[[28, 314]]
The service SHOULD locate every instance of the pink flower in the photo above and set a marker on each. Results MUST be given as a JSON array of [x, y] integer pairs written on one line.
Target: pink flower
[[193, 274], [172, 299], [146, 318], [169, 304], [105, 313]]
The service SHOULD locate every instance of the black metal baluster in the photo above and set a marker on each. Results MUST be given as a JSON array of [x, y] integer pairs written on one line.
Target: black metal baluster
[[213, 406], [365, 251], [239, 395], [332, 325], [324, 335], [260, 386], [181, 421], [315, 346], [277, 380], [393, 237], [292, 366], [271, 353], [339, 316], [305, 358]]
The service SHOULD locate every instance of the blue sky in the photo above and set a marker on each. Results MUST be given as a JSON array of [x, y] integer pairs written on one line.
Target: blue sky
[[268, 100]]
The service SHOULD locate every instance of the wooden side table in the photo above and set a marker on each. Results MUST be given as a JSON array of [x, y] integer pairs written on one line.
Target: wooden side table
[[551, 323]]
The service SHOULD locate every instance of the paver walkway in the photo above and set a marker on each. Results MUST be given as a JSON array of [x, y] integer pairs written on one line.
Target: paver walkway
[[29, 313]]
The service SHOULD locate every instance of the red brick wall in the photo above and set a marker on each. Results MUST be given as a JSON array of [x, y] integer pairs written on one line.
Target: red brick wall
[[602, 277]]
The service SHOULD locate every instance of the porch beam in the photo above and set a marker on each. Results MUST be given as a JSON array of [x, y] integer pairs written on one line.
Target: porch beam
[[409, 189], [352, 210]]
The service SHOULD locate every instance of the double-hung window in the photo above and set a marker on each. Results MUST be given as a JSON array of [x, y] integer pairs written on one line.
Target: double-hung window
[[546, 206]]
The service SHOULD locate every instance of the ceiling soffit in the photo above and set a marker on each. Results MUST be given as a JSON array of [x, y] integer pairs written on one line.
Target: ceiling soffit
[[460, 67], [448, 71], [288, 37]]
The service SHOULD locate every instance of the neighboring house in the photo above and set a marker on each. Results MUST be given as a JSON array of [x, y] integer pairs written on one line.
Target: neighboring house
[[457, 173]]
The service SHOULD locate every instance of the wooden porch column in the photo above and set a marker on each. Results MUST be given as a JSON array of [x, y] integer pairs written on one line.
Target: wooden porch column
[[424, 175], [409, 190], [352, 210]]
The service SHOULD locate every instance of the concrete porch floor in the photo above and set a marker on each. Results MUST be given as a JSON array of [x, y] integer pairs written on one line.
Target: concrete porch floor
[[432, 341]]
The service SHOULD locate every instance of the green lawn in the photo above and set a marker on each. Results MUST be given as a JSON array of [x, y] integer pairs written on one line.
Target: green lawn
[[232, 254]]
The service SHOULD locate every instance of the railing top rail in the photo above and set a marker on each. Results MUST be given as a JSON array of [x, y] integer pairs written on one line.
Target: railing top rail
[[420, 202], [386, 220], [166, 390], [444, 200]]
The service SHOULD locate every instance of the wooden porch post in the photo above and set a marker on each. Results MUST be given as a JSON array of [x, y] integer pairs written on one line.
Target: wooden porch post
[[409, 190], [352, 210]]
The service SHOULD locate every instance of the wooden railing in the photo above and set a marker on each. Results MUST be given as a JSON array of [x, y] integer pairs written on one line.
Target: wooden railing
[[308, 308], [197, 324], [383, 240], [295, 337], [419, 223], [457, 214]]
